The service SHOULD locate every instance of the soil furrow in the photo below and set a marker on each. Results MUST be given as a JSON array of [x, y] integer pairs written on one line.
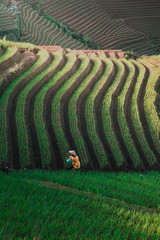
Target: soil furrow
[[48, 114], [30, 117], [13, 152], [13, 147], [142, 115], [116, 126], [64, 107], [93, 159], [99, 121], [127, 111]]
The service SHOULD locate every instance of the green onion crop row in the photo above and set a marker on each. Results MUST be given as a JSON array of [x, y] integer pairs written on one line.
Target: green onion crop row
[[56, 105], [4, 104], [20, 113], [106, 115], [122, 119], [136, 118], [149, 107], [38, 113], [72, 114], [90, 117]]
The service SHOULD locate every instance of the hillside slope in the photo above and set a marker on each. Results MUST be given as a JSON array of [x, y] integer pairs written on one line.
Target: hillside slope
[[86, 25], [106, 108]]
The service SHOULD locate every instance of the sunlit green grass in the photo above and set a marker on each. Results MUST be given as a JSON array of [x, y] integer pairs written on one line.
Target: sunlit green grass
[[8, 53], [141, 189], [30, 210], [17, 44]]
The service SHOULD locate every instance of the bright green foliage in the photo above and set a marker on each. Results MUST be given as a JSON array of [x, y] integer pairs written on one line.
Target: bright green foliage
[[72, 115], [20, 112], [122, 119], [38, 113], [135, 115], [56, 212], [56, 109], [140, 189], [149, 107], [3, 110], [90, 113], [10, 51], [106, 115], [82, 90], [16, 44]]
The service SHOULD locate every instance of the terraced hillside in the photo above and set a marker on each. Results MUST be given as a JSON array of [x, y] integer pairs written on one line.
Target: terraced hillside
[[103, 107], [84, 25], [140, 15], [96, 21], [9, 23]]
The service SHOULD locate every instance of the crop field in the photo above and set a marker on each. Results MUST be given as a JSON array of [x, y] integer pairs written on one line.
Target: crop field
[[106, 108], [85, 76], [89, 18], [142, 15], [78, 205], [92, 25]]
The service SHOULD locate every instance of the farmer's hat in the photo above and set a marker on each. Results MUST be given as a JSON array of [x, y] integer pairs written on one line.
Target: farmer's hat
[[73, 153]]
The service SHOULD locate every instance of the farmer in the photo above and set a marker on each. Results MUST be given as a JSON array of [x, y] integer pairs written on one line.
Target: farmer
[[75, 163]]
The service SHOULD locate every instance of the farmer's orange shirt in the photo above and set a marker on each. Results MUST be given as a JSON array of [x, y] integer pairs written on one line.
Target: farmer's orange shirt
[[75, 162]]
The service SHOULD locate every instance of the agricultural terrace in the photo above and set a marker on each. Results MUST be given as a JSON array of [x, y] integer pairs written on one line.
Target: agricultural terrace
[[9, 23], [92, 24], [89, 18], [142, 15], [104, 107]]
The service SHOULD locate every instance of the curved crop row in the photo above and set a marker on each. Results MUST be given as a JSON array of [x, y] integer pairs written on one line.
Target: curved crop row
[[7, 18], [78, 142], [150, 120], [122, 111], [141, 15], [21, 118], [91, 110], [11, 55], [40, 122], [95, 23], [57, 102], [104, 108], [7, 100], [108, 116], [135, 115], [76, 114], [42, 31], [18, 68], [67, 69]]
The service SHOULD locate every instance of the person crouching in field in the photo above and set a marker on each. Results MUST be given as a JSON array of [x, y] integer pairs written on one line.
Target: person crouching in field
[[73, 161]]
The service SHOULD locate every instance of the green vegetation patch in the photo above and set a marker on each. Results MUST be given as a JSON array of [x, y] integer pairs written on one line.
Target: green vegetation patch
[[30, 210], [133, 188]]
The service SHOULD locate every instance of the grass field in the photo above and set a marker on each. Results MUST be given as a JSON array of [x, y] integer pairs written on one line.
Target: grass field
[[79, 205]]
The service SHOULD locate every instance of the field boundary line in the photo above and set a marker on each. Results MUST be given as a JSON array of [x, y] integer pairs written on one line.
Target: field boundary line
[[96, 196]]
